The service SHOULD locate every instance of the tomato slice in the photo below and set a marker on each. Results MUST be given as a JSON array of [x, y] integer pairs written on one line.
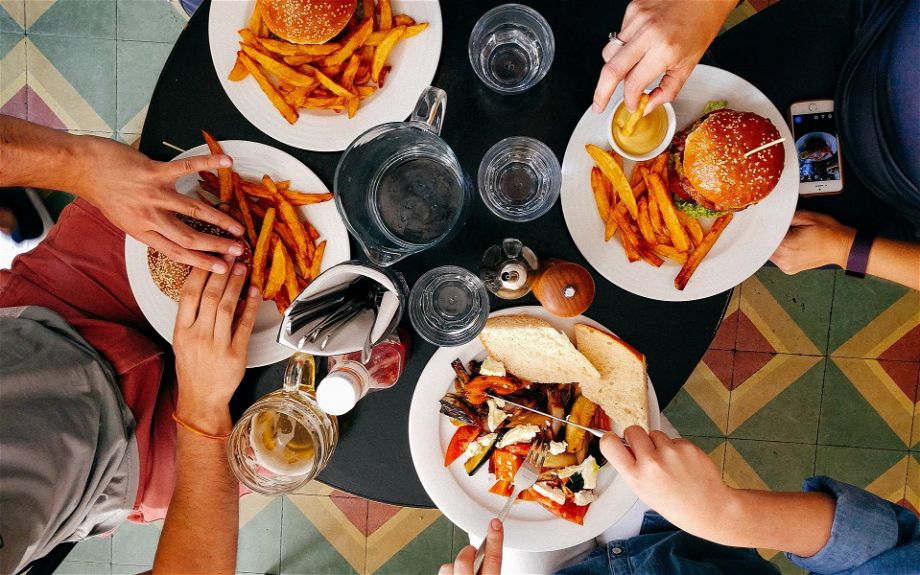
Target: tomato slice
[[459, 442], [506, 464], [568, 510]]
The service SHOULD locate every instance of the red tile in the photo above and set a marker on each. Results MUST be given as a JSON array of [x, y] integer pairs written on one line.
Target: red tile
[[906, 503], [760, 4], [355, 509], [721, 362], [907, 348], [16, 106], [746, 364], [40, 113], [749, 337], [904, 374], [378, 514], [727, 332]]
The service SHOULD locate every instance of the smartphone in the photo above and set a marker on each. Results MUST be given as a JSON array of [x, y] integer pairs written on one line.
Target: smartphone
[[817, 146]]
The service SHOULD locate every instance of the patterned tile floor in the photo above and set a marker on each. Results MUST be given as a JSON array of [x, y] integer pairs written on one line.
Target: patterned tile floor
[[816, 373]]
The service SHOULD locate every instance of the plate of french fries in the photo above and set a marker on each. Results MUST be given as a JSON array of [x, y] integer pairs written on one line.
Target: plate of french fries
[[292, 228], [322, 96], [625, 221]]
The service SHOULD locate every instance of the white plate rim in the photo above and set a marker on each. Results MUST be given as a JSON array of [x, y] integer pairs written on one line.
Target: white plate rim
[[548, 532], [414, 60], [746, 244], [160, 310]]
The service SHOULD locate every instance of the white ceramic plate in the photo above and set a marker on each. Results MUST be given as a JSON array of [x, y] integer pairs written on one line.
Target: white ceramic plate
[[251, 160], [745, 245], [414, 62], [466, 500]]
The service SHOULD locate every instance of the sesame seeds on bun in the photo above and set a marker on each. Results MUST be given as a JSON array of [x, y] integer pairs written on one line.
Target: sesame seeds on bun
[[715, 166], [307, 21]]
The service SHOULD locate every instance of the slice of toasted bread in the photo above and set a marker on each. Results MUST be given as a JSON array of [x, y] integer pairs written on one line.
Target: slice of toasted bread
[[621, 390], [534, 350]]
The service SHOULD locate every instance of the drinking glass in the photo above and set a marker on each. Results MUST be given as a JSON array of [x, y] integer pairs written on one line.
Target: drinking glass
[[519, 179], [511, 48], [448, 306], [400, 188], [284, 439]]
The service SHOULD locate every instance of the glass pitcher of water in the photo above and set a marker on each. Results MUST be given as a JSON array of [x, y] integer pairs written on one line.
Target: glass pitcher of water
[[284, 439], [400, 188]]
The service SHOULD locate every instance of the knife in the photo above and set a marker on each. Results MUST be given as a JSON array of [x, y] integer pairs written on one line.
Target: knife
[[593, 431]]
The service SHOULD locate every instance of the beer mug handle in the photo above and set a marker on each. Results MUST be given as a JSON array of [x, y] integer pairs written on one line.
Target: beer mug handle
[[300, 373], [430, 108]]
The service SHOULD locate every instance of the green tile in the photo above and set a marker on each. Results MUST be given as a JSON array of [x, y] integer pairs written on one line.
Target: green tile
[[857, 302], [854, 465], [89, 65], [85, 18], [782, 466], [7, 23], [150, 20], [847, 419], [688, 418], [125, 569], [135, 544], [260, 541], [92, 550], [425, 554], [139, 65], [7, 42], [806, 297], [70, 567], [460, 540], [792, 415], [304, 550], [786, 566]]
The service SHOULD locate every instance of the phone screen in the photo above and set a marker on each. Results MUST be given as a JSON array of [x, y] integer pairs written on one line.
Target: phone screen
[[816, 144]]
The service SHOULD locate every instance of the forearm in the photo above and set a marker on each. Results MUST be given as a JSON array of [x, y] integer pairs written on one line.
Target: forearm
[[895, 261], [798, 523], [36, 156], [200, 532]]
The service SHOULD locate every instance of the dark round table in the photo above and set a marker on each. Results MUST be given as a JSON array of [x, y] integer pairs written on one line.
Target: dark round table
[[372, 458]]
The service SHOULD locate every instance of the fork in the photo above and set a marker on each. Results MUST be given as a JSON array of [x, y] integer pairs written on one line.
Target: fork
[[525, 477]]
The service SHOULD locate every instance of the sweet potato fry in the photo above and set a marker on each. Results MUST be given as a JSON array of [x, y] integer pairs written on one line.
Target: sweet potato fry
[[615, 174], [385, 14], [290, 280], [244, 210], [289, 113], [352, 42], [288, 215], [290, 245], [284, 72], [277, 271], [645, 224], [256, 190], [310, 230], [383, 52], [224, 176], [709, 240], [317, 261], [260, 255], [668, 212]]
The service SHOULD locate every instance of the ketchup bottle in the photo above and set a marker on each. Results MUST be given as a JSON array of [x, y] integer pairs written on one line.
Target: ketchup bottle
[[349, 380]]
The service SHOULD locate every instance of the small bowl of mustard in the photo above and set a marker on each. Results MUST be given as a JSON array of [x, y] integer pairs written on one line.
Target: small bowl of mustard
[[652, 134]]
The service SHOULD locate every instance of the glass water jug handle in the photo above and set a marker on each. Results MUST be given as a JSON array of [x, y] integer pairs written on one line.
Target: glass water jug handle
[[430, 108], [300, 373]]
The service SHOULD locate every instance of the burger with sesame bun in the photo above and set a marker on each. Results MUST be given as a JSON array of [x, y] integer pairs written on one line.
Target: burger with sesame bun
[[170, 276], [708, 172], [307, 21]]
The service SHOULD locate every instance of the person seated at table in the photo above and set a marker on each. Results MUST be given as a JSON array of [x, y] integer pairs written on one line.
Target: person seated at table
[[701, 525], [878, 114], [86, 386]]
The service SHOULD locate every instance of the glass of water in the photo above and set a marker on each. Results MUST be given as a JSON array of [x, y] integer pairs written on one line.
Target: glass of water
[[519, 179], [448, 306], [511, 48]]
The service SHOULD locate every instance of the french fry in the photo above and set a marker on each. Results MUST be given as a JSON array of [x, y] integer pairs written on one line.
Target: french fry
[[709, 240], [668, 212], [331, 85], [260, 255], [310, 230], [238, 72], [332, 71], [654, 214], [348, 75], [248, 37], [277, 271], [647, 253], [245, 212], [403, 20], [645, 224], [210, 179], [383, 76], [615, 174], [256, 190], [365, 91], [671, 253], [281, 302], [288, 215], [692, 225], [352, 42], [302, 199], [383, 52], [283, 48], [351, 106], [628, 235], [600, 195], [224, 176], [317, 261], [284, 232], [659, 164], [386, 14], [367, 10], [289, 113], [255, 20], [634, 118], [284, 72], [290, 280]]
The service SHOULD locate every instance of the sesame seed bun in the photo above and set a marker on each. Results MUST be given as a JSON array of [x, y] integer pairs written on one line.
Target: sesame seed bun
[[307, 21], [170, 275], [719, 175]]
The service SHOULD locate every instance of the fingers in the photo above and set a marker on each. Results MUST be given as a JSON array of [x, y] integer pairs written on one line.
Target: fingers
[[639, 441], [193, 164], [201, 211], [614, 70], [802, 218], [211, 297], [190, 298], [178, 232], [668, 88], [223, 325], [492, 561], [246, 321], [446, 569], [660, 439], [177, 253], [463, 564], [616, 453], [638, 79]]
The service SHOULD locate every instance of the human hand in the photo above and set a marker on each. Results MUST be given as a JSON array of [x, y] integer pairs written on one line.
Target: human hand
[[210, 345], [492, 561], [662, 37], [813, 240], [673, 476], [138, 195]]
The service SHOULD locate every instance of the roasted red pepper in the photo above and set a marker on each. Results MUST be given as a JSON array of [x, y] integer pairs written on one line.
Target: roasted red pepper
[[459, 442], [506, 464], [476, 389], [568, 510]]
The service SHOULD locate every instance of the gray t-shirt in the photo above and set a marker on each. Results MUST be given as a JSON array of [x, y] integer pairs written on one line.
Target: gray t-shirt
[[68, 455]]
